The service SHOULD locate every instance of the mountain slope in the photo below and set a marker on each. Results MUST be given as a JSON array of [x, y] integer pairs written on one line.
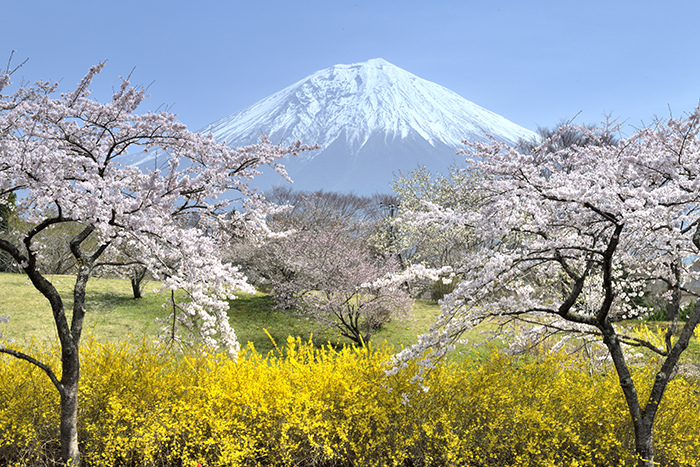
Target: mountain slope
[[371, 119]]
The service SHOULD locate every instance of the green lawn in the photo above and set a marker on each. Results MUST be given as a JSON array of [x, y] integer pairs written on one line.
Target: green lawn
[[112, 314]]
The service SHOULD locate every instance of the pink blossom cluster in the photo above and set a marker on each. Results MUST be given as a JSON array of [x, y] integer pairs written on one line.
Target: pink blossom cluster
[[62, 155], [572, 238]]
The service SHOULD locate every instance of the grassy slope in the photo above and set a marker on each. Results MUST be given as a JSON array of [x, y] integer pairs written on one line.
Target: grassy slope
[[113, 314]]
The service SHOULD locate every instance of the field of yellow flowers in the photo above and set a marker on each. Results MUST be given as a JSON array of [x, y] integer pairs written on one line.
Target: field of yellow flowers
[[310, 406]]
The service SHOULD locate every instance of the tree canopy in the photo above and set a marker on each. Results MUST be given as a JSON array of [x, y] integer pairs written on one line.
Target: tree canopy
[[60, 154], [571, 234]]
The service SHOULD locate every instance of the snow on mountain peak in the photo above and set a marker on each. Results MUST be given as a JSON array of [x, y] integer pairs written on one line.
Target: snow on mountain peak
[[371, 120], [354, 102]]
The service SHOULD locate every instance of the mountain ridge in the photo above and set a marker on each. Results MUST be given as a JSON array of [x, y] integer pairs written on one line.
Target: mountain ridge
[[371, 120]]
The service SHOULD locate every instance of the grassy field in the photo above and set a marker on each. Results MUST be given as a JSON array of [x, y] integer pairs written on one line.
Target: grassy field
[[113, 314]]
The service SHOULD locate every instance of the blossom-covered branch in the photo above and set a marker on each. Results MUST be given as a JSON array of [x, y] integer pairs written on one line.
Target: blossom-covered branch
[[62, 155], [573, 236]]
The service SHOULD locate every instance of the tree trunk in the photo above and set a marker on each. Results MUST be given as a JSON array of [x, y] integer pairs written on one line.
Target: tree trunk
[[644, 442], [137, 276], [643, 430], [70, 361], [70, 451], [136, 287], [643, 419], [70, 379], [69, 337]]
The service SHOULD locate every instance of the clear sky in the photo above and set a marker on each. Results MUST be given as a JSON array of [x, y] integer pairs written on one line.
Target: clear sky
[[533, 62]]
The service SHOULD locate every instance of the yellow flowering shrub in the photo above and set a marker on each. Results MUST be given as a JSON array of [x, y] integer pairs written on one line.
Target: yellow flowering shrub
[[309, 406], [29, 412]]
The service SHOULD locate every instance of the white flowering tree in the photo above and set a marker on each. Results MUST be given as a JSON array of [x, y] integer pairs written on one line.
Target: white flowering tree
[[61, 155], [433, 246], [334, 281], [325, 268], [572, 235], [429, 245]]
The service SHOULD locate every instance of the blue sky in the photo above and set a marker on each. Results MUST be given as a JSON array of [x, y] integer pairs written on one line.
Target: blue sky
[[534, 62]]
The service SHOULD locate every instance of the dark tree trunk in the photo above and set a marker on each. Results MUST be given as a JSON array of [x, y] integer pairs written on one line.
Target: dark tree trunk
[[644, 443], [70, 360], [642, 422], [135, 288], [69, 337], [70, 451], [643, 418], [137, 276]]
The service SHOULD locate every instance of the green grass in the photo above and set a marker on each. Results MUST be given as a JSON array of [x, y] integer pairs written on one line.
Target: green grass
[[253, 317], [113, 314]]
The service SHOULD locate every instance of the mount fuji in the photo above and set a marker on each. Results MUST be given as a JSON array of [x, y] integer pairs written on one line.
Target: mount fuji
[[371, 120]]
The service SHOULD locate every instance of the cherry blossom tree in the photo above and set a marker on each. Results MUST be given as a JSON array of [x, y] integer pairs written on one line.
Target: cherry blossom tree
[[571, 235], [430, 245], [325, 267], [60, 153], [333, 282]]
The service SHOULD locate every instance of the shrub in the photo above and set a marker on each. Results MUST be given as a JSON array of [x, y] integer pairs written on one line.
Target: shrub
[[310, 406]]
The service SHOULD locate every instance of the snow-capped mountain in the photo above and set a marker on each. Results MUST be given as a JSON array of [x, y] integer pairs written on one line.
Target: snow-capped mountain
[[371, 119]]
